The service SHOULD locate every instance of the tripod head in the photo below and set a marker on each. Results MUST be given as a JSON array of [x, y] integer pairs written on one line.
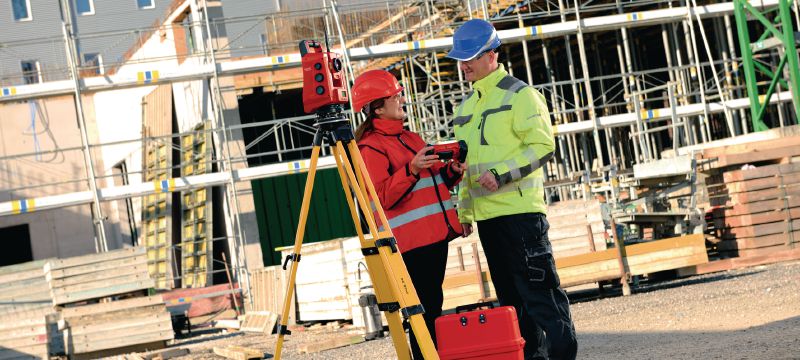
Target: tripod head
[[324, 90]]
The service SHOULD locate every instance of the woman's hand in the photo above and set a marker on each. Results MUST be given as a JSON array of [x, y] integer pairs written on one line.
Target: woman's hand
[[458, 167], [422, 161]]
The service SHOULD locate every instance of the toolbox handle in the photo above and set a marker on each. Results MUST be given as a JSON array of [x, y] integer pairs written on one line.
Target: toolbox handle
[[471, 307]]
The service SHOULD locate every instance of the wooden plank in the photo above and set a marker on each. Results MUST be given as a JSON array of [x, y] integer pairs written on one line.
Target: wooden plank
[[574, 231], [67, 295], [738, 263], [141, 347], [756, 156], [467, 278], [99, 280], [166, 354], [760, 172], [759, 195], [137, 271], [153, 319], [113, 316], [16, 277], [757, 207], [119, 342], [113, 265], [58, 264], [238, 353], [743, 253], [762, 229], [761, 184], [111, 306], [259, 322], [759, 218], [36, 352], [334, 343], [757, 242], [736, 146], [24, 341]]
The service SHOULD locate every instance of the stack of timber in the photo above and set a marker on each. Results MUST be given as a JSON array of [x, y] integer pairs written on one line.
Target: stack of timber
[[640, 259], [329, 280], [102, 303], [28, 322], [758, 210], [467, 279], [267, 291], [576, 227]]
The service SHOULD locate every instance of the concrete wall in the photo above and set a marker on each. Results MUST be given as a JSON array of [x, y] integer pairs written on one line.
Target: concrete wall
[[62, 232]]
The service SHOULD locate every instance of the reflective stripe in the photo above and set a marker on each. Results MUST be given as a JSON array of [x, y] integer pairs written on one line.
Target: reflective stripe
[[422, 184], [529, 154], [427, 182], [525, 184], [419, 213], [461, 120]]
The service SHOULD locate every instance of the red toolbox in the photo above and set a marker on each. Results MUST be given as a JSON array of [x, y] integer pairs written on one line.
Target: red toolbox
[[475, 332]]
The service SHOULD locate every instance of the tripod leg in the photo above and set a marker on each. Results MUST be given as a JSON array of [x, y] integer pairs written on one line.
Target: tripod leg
[[379, 281], [298, 242], [390, 259]]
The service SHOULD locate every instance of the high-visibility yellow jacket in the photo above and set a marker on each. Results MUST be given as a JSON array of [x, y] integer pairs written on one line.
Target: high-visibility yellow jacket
[[506, 125]]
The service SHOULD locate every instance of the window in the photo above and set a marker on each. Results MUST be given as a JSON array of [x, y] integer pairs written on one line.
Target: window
[[84, 7], [93, 62], [31, 73], [22, 10], [145, 4], [264, 42], [187, 29]]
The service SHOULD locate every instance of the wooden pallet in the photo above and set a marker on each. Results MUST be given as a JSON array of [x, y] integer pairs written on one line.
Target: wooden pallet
[[28, 335], [24, 287], [98, 275], [116, 324]]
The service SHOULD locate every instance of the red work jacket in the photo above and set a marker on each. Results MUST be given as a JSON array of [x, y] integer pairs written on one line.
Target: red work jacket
[[419, 208]]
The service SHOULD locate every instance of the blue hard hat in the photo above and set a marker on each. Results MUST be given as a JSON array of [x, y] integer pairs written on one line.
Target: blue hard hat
[[472, 39]]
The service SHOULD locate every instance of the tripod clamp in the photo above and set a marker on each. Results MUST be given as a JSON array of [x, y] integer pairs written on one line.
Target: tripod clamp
[[292, 257], [390, 242]]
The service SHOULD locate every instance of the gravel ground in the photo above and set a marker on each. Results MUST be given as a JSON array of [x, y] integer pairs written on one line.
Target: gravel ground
[[741, 314]]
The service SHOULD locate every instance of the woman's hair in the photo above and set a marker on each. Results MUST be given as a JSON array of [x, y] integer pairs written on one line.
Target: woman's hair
[[367, 124]]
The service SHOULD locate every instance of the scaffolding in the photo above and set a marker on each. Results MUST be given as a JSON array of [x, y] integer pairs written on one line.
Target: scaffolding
[[628, 82]]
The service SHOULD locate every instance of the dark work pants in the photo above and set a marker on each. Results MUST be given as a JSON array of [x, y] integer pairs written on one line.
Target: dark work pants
[[426, 267], [524, 275]]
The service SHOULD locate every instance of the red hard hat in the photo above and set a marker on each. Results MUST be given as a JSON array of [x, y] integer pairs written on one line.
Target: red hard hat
[[373, 85]]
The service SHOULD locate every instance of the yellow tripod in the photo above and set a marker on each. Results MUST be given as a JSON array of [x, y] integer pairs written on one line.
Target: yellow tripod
[[393, 288]]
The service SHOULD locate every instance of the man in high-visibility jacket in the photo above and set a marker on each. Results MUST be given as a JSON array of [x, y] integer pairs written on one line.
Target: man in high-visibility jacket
[[506, 125]]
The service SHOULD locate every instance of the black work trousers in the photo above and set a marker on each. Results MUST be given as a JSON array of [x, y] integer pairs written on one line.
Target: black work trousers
[[426, 267], [524, 274]]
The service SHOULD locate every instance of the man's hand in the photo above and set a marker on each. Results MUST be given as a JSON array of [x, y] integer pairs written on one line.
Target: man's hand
[[458, 167], [467, 229], [422, 161], [488, 181]]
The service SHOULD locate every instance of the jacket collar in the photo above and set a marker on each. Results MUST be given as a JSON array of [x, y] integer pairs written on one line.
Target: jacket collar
[[387, 127], [483, 86]]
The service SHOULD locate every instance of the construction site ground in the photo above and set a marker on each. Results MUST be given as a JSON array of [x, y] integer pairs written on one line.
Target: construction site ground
[[751, 313]]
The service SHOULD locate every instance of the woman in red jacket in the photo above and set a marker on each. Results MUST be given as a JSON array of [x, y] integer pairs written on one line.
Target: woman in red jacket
[[413, 188]]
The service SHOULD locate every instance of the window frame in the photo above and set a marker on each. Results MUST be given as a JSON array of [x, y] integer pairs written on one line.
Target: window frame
[[91, 8], [152, 5], [27, 7], [98, 68], [37, 72]]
